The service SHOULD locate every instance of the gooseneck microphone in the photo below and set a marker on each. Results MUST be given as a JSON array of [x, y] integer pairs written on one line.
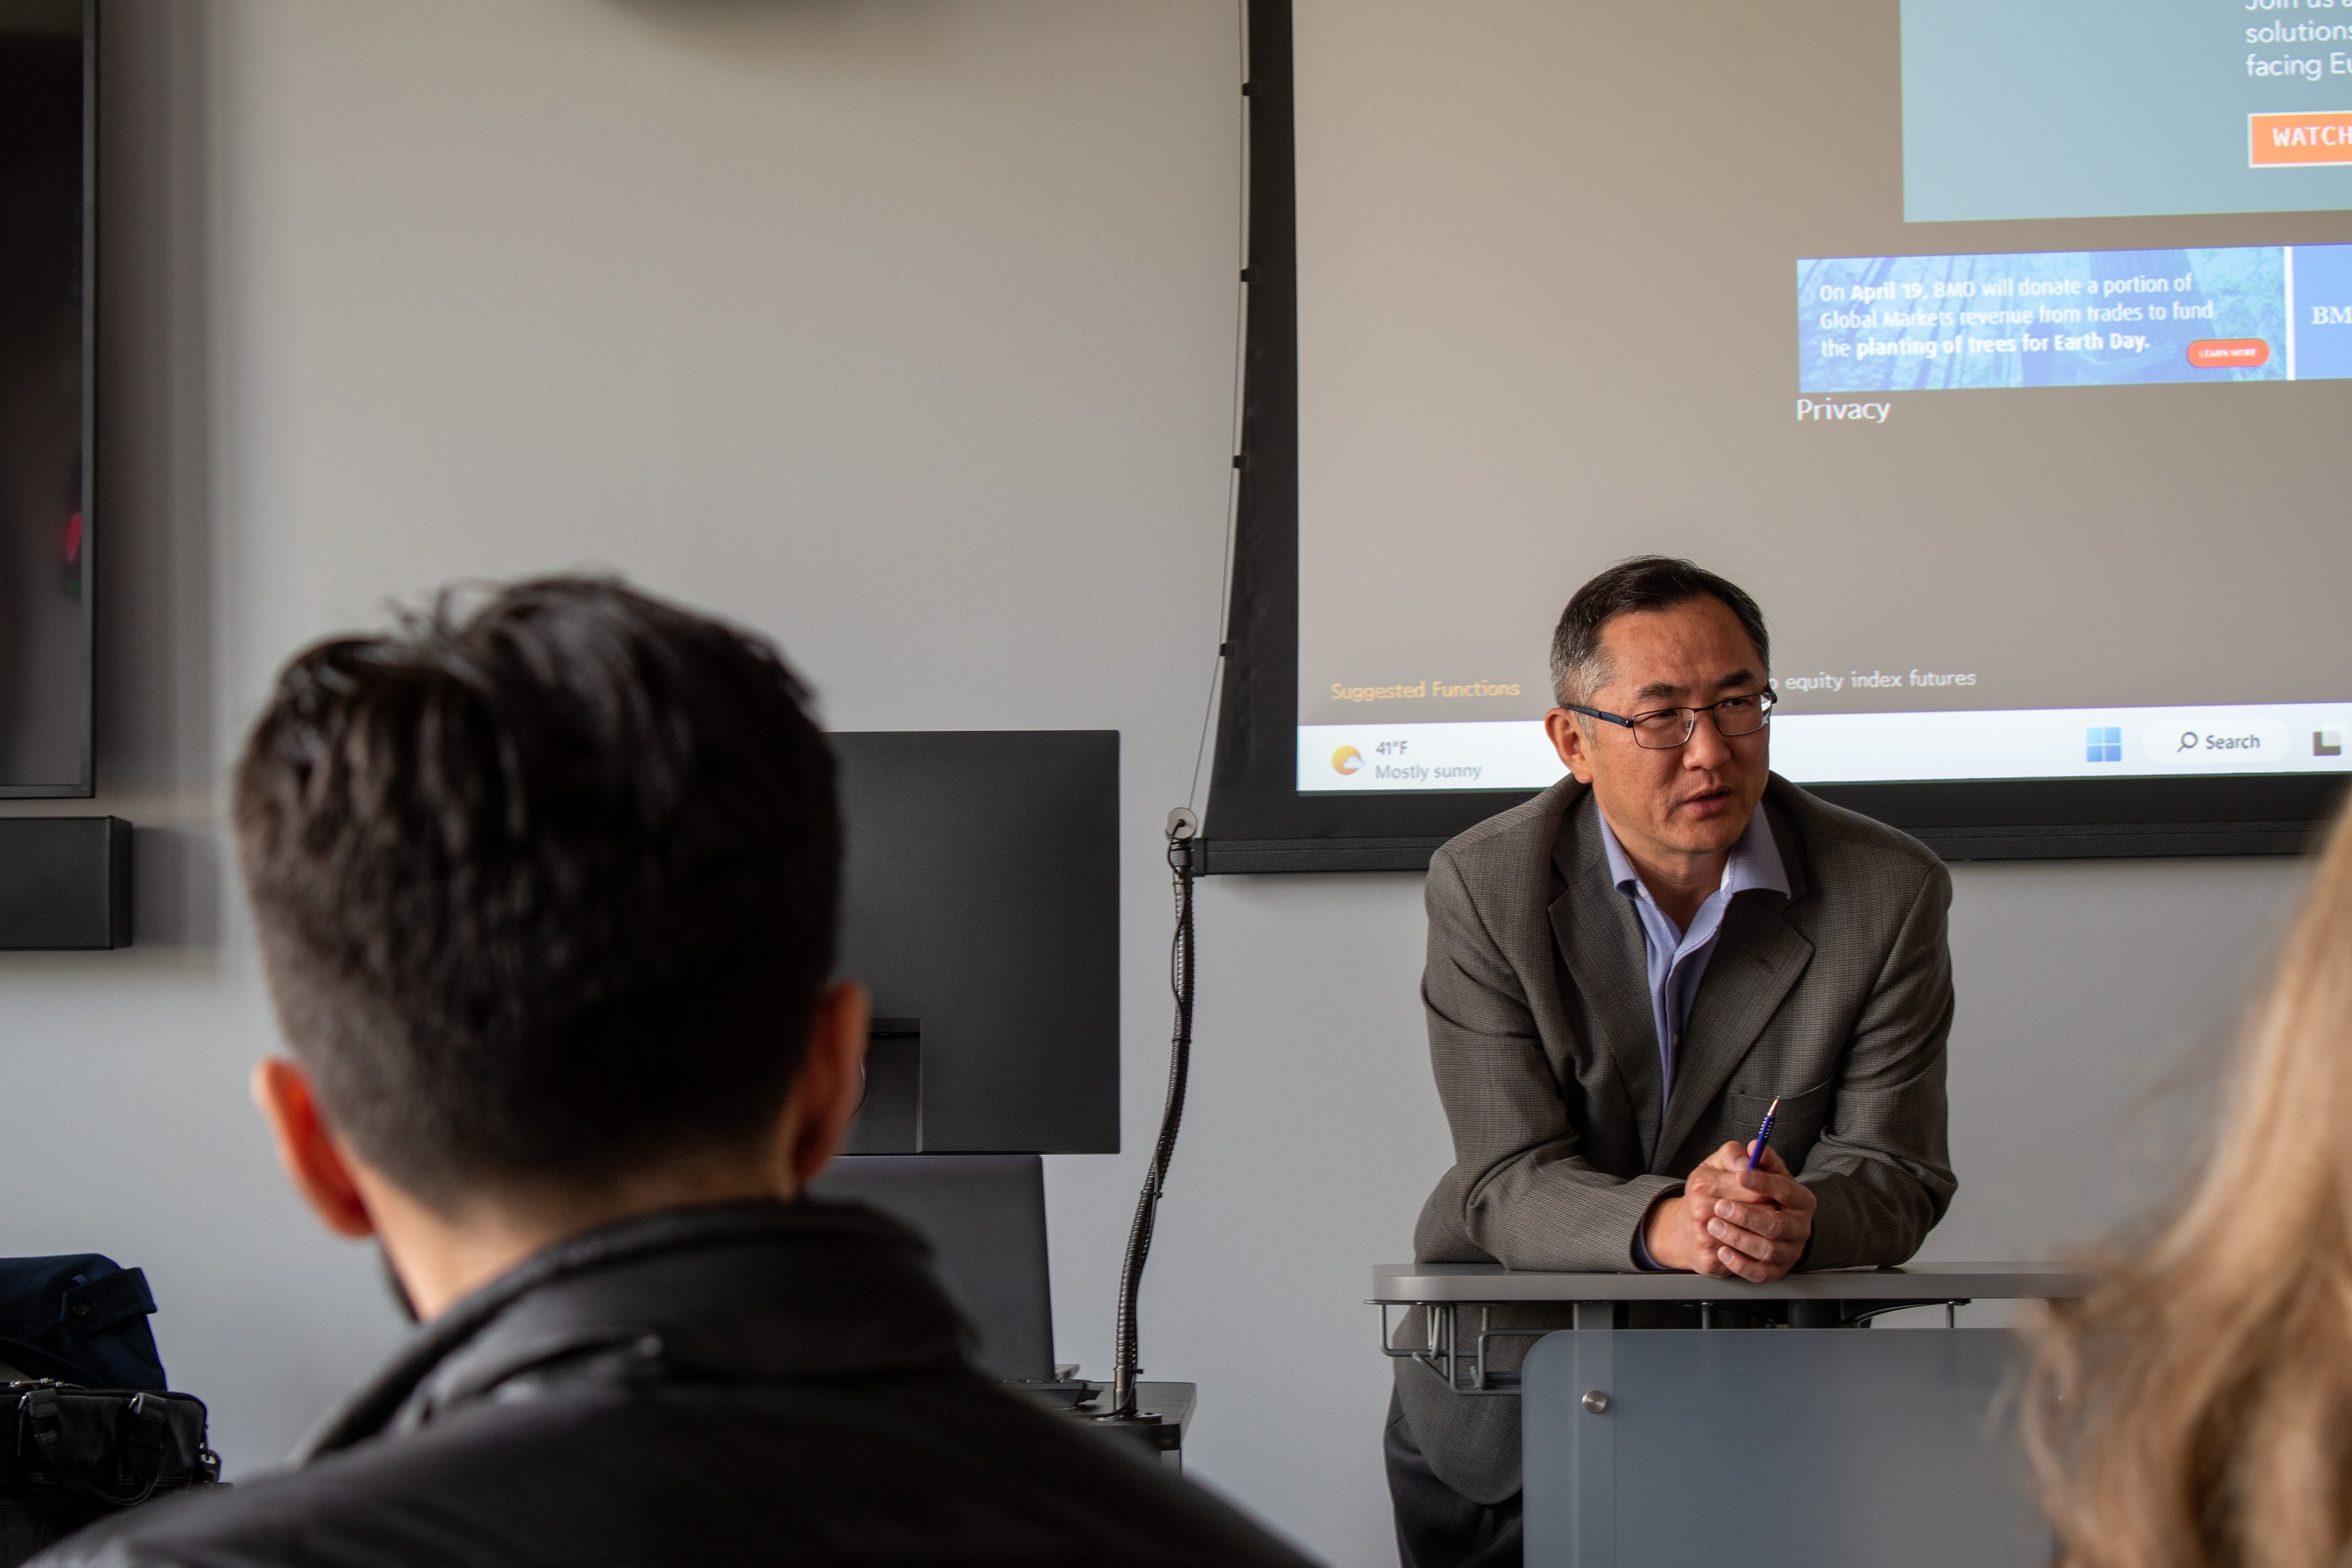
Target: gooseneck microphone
[[1183, 828]]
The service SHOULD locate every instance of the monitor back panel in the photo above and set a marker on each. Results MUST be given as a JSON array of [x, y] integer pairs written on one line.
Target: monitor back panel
[[981, 907]]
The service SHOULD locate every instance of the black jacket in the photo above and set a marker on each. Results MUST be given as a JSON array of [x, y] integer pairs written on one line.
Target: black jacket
[[758, 1382]]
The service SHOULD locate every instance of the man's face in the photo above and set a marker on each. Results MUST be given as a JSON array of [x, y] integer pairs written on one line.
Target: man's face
[[1694, 800]]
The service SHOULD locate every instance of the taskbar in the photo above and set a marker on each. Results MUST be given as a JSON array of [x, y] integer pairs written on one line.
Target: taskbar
[[2246, 739]]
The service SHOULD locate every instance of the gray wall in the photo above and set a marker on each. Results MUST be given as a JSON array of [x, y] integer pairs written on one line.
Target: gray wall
[[902, 329]]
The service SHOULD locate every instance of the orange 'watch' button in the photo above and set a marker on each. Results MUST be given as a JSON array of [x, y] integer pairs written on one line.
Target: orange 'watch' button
[[2285, 141]]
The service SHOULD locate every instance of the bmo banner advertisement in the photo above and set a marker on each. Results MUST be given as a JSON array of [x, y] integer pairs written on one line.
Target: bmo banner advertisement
[[2080, 318]]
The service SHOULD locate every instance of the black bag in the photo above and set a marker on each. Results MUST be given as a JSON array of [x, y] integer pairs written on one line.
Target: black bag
[[71, 1454], [78, 1318]]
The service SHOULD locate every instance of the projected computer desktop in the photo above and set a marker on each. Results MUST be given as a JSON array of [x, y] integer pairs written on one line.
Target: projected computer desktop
[[2001, 350]]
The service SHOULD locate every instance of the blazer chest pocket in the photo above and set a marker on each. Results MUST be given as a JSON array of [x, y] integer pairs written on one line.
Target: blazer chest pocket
[[1796, 1126]]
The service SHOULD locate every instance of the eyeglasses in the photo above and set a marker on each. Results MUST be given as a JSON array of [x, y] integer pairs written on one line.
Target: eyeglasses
[[1663, 729]]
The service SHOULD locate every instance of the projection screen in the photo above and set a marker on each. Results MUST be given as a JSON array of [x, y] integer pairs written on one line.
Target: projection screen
[[2002, 349]]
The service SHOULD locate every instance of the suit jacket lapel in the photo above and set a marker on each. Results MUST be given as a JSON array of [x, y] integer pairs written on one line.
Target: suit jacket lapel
[[1601, 938], [1757, 958]]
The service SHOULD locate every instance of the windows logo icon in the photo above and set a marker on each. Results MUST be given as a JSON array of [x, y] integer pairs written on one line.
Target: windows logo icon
[[2103, 743]]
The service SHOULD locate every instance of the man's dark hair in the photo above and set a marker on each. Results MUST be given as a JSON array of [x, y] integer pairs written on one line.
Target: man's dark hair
[[547, 892], [1642, 583]]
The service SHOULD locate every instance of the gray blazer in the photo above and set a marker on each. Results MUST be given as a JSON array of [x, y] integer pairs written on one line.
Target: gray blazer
[[1837, 1000]]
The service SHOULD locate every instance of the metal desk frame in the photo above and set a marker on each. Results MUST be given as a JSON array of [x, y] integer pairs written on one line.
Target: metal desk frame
[[1841, 1298]]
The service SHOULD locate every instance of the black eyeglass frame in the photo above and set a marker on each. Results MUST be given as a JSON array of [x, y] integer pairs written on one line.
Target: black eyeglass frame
[[1764, 700]]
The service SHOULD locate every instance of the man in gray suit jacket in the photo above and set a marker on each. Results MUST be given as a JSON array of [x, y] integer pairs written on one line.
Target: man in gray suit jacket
[[1623, 973]]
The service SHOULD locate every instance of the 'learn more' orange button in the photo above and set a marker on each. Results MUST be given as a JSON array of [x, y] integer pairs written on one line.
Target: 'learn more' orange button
[[2229, 354], [2286, 140]]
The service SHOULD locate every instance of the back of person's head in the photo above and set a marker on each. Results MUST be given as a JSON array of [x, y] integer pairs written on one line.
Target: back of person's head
[[2197, 1408], [547, 889]]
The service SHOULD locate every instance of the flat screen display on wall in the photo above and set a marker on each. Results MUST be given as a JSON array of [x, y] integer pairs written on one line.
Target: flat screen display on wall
[[2001, 348], [46, 424]]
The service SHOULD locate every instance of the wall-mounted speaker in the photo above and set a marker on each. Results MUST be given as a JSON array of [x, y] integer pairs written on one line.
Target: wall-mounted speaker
[[65, 882]]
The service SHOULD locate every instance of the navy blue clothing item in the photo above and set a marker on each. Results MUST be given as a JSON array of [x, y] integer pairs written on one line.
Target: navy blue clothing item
[[79, 1318]]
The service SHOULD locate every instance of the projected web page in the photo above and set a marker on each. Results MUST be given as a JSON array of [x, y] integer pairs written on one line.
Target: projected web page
[[2057, 108], [1546, 261]]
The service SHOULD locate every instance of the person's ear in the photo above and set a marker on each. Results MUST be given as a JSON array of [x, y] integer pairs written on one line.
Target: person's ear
[[831, 1082], [1568, 740], [307, 1148]]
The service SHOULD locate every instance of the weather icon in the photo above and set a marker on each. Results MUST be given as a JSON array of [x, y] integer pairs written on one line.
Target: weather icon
[[1347, 760]]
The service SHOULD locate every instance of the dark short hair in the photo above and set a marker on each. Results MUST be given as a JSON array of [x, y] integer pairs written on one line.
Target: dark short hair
[[1638, 583], [547, 892]]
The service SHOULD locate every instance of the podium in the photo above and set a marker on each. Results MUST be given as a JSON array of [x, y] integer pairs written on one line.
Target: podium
[[1811, 1440]]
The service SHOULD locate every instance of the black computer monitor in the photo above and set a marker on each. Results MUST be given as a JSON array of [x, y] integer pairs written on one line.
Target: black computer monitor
[[981, 905], [48, 346]]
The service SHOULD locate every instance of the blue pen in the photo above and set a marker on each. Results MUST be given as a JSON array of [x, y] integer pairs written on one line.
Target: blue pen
[[1763, 1135]]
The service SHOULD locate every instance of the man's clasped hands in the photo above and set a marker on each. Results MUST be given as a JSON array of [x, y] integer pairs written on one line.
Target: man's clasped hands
[[1731, 1221]]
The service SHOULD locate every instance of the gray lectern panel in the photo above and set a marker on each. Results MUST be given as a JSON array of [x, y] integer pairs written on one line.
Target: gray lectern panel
[[1824, 1448]]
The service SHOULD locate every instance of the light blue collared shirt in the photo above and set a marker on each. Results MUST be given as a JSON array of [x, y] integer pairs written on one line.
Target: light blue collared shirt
[[1678, 958]]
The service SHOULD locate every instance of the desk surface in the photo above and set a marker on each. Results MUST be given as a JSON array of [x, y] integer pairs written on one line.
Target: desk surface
[[1396, 1283]]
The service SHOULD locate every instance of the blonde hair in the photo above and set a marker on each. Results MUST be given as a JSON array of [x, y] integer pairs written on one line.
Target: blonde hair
[[2196, 1410]]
